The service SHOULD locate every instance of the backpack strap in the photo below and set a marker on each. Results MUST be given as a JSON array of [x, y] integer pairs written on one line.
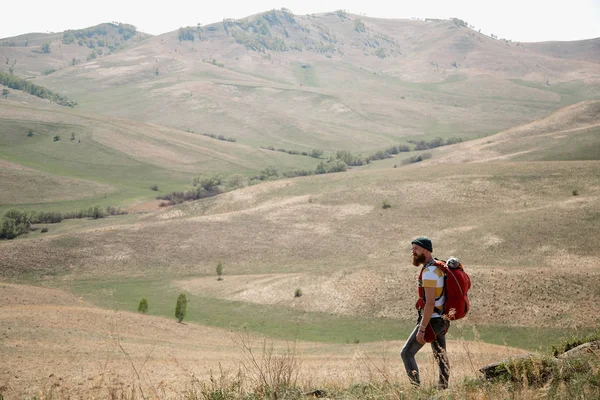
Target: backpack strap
[[420, 305]]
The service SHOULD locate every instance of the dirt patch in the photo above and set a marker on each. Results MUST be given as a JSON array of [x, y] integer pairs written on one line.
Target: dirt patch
[[144, 207]]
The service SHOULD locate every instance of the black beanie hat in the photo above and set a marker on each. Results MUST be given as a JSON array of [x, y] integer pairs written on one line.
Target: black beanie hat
[[424, 242]]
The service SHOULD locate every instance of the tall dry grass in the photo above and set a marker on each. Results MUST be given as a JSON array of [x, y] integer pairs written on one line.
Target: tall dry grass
[[263, 371]]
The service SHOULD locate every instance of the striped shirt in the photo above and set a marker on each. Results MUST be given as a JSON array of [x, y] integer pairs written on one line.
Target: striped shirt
[[433, 277]]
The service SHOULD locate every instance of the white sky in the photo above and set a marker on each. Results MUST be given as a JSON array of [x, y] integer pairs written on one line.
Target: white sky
[[518, 20]]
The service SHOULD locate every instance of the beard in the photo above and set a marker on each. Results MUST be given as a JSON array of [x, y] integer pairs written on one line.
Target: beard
[[418, 259]]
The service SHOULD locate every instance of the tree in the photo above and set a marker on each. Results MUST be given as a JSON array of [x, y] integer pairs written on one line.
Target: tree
[[95, 212], [359, 26], [181, 307], [316, 153], [143, 307], [209, 183], [46, 47], [5, 93], [220, 270]]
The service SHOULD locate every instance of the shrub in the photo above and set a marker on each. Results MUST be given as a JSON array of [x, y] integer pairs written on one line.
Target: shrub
[[271, 375], [385, 204], [181, 307], [30, 133], [57, 138], [14, 223], [95, 212], [186, 34], [298, 292], [143, 306], [268, 173], [220, 270], [209, 183], [44, 230], [316, 153], [575, 192], [416, 159], [154, 187]]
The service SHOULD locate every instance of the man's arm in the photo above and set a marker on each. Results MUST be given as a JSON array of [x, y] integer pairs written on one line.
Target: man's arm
[[427, 313]]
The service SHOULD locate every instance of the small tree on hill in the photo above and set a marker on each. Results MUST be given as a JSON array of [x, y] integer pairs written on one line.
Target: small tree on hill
[[143, 307], [181, 307], [46, 47], [5, 93], [220, 270]]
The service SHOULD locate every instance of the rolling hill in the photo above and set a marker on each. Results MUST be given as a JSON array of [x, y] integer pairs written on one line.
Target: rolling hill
[[111, 161], [332, 81], [516, 200]]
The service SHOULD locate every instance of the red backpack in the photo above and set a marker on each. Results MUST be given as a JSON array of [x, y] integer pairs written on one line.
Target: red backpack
[[456, 285]]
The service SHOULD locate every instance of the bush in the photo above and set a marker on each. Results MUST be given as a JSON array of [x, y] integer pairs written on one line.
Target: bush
[[154, 187], [268, 173], [385, 204], [95, 212], [44, 230], [143, 306], [181, 307], [14, 223], [416, 159], [220, 270], [56, 138], [316, 153], [298, 292], [575, 192], [208, 183]]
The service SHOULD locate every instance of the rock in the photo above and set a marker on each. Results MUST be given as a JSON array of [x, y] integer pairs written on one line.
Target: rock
[[582, 350], [491, 371]]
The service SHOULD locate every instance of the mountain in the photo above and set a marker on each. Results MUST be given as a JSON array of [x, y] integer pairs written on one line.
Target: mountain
[[334, 81]]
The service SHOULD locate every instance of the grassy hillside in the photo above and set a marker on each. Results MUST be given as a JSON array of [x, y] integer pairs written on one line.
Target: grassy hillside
[[329, 236], [333, 81], [490, 202], [109, 161]]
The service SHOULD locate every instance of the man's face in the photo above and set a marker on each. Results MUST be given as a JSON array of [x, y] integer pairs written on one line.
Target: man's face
[[418, 255]]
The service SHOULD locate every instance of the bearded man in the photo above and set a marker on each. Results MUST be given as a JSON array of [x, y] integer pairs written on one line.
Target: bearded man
[[431, 326]]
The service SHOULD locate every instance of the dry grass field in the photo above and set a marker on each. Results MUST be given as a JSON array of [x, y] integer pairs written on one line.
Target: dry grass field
[[57, 345]]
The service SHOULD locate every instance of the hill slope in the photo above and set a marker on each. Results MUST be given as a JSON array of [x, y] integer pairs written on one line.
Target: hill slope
[[331, 81], [110, 161]]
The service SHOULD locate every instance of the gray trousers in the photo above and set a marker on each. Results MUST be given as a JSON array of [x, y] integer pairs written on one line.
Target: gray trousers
[[438, 346]]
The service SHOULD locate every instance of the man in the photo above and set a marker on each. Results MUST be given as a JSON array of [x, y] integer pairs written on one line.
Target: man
[[430, 307]]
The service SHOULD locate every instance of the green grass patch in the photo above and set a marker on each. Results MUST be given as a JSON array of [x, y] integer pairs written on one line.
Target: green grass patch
[[289, 324]]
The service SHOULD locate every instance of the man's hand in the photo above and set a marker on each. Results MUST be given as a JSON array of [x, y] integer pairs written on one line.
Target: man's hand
[[421, 337]]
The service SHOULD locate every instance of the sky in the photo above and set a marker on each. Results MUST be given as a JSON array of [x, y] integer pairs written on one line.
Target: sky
[[517, 20]]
